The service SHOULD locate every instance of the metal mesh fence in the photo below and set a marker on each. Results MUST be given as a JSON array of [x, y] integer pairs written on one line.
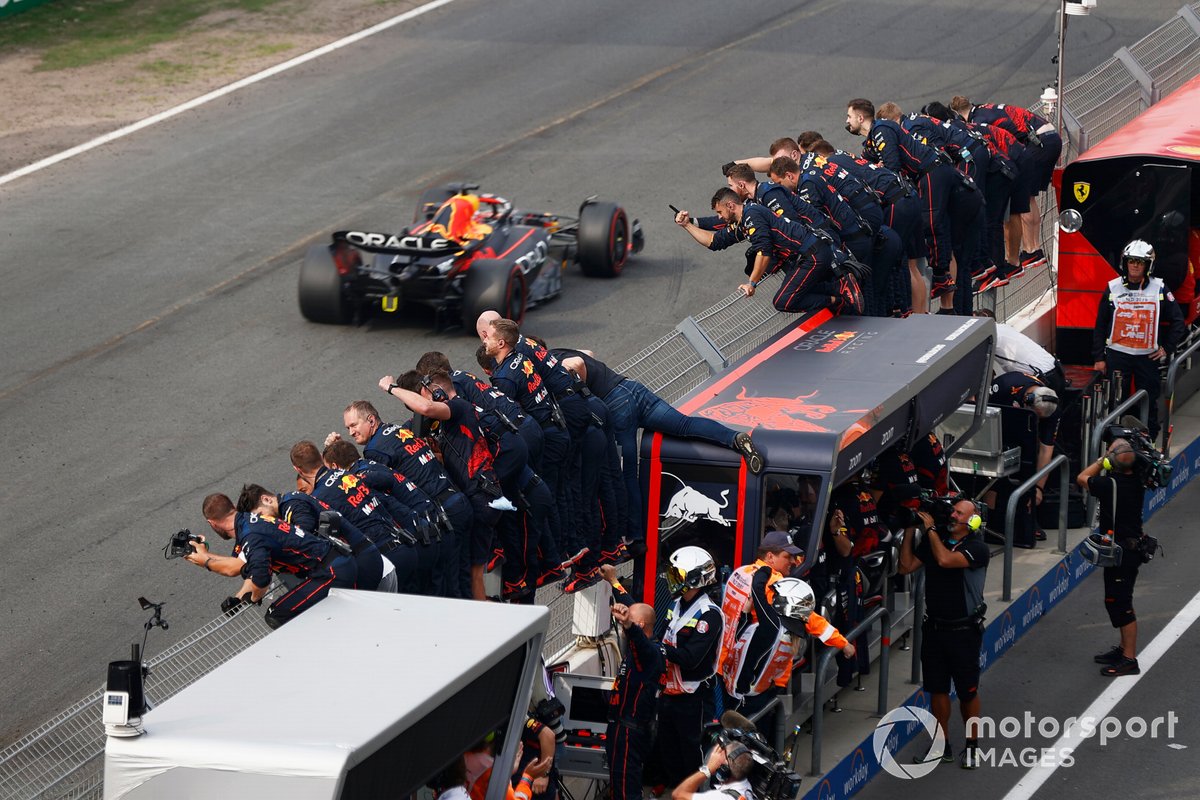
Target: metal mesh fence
[[63, 758]]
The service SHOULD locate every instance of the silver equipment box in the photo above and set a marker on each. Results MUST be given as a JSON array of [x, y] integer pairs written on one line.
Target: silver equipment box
[[983, 454]]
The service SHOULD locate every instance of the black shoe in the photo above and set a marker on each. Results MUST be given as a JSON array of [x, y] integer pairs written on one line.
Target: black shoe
[[551, 575], [745, 445], [942, 284], [970, 757], [581, 580], [1113, 655], [849, 300], [1039, 535], [574, 559], [1126, 666], [1032, 260], [947, 756]]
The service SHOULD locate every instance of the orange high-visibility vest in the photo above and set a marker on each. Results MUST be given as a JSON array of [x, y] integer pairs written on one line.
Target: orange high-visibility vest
[[1135, 316]]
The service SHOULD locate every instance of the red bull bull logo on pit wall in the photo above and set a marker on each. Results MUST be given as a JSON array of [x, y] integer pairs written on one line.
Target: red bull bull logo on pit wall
[[774, 413]]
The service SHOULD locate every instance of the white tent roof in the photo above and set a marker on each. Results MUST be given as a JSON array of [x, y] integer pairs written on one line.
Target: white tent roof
[[326, 690]]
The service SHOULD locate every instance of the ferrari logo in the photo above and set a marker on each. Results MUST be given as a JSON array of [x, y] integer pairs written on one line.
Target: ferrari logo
[[1082, 190]]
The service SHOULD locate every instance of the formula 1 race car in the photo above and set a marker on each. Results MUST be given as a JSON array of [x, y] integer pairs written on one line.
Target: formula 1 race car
[[465, 253]]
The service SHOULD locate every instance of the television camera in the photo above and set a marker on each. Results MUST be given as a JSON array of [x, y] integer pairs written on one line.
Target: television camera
[[769, 777]]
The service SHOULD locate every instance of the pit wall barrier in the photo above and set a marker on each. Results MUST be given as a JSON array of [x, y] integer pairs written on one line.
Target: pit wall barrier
[[860, 766]]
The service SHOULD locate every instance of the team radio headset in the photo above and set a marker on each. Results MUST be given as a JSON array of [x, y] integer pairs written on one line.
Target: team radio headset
[[975, 521]]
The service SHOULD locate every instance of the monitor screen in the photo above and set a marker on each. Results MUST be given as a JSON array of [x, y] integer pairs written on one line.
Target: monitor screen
[[588, 704]]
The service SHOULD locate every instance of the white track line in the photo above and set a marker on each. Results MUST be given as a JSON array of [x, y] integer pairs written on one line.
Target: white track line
[[224, 90], [1103, 705]]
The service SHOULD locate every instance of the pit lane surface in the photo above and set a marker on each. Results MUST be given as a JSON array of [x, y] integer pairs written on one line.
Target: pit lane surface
[[152, 348], [1049, 674]]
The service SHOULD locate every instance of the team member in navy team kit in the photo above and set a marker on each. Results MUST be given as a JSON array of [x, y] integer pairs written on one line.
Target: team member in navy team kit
[[935, 180], [303, 512], [632, 407], [502, 421], [466, 457], [864, 234], [264, 546], [997, 181], [901, 213], [633, 701], [409, 506], [600, 471], [782, 201], [970, 158], [1039, 136], [579, 504], [349, 496], [515, 374], [398, 447], [1019, 390], [805, 255]]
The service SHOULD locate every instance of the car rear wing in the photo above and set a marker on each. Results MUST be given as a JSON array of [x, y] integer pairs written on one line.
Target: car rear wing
[[398, 244]]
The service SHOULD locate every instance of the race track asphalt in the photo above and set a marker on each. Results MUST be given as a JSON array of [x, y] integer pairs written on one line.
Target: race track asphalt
[[152, 348]]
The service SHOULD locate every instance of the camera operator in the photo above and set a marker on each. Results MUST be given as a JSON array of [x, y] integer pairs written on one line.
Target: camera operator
[[955, 559], [1119, 494], [732, 783], [265, 546], [303, 512]]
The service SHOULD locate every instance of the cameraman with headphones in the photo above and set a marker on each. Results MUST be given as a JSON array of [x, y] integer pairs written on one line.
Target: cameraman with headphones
[[728, 768], [1119, 494], [955, 558]]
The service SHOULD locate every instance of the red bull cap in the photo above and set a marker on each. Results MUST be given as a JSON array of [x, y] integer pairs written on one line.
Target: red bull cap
[[778, 540]]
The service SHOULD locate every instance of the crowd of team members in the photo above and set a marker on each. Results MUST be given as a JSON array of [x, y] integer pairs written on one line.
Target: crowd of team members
[[956, 185], [534, 473]]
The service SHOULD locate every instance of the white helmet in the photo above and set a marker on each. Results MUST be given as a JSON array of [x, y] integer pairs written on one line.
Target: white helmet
[[794, 600], [691, 568], [1140, 250]]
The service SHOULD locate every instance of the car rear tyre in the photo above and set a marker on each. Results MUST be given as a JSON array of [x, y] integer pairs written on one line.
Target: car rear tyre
[[603, 240], [322, 297], [493, 284]]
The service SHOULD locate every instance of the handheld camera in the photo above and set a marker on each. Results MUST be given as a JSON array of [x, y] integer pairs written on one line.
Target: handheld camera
[[180, 544]]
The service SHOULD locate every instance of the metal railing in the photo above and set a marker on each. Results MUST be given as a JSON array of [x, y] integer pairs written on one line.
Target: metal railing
[[1063, 465], [1173, 376], [64, 756], [1131, 81], [917, 592], [884, 615], [1138, 398]]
